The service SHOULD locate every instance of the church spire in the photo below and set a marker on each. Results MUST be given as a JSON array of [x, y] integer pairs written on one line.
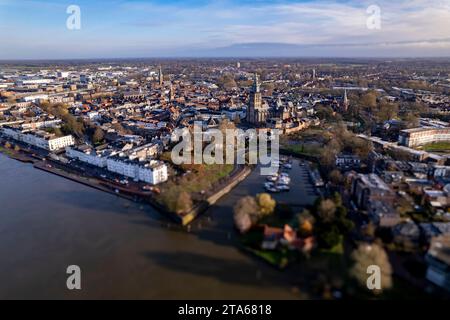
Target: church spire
[[171, 93], [256, 84], [345, 100], [160, 76]]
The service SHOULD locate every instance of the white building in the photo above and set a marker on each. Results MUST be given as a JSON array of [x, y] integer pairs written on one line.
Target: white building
[[60, 143], [153, 172], [25, 82], [87, 155], [131, 163], [35, 98], [41, 124], [40, 139], [421, 136], [63, 74], [93, 115]]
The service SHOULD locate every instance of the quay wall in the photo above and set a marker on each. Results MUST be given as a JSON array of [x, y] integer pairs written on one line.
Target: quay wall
[[212, 199]]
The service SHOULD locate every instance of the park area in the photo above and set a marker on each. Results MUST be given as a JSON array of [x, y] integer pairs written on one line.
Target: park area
[[192, 184]]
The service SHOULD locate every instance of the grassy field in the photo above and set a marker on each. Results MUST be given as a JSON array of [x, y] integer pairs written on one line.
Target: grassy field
[[437, 147], [303, 149], [308, 142], [278, 258]]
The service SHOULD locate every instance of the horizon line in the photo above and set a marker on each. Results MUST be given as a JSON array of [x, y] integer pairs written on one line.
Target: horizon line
[[227, 58]]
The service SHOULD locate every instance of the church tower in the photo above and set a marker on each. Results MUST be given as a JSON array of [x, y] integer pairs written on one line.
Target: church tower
[[256, 113], [160, 76], [171, 93]]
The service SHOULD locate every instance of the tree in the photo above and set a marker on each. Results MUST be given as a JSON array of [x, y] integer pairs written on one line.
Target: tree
[[326, 210], [246, 212], [369, 100], [337, 199], [336, 177], [227, 82], [328, 236], [371, 255], [57, 131], [269, 87], [325, 112], [411, 120], [369, 230], [306, 223], [328, 156], [98, 135], [184, 203], [72, 126], [266, 203], [386, 111]]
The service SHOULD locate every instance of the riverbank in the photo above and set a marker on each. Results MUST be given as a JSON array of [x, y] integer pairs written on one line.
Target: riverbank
[[90, 182], [15, 155]]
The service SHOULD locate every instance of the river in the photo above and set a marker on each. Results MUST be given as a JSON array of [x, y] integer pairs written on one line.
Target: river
[[124, 249]]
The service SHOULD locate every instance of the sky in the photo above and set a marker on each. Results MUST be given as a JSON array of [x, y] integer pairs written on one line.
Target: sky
[[37, 29]]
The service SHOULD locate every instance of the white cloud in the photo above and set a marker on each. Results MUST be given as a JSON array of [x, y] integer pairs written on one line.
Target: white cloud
[[406, 25]]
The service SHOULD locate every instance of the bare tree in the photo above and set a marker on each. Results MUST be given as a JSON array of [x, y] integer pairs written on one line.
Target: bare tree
[[371, 255], [184, 202], [246, 212], [327, 210]]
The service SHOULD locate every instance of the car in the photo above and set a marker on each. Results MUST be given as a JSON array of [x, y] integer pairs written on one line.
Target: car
[[284, 180], [268, 185], [287, 166], [283, 187], [273, 190], [272, 178]]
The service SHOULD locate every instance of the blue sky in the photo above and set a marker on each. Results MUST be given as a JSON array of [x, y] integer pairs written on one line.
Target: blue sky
[[36, 29]]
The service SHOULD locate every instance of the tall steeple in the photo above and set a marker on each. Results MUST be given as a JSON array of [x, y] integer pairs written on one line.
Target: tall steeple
[[256, 85], [254, 111], [160, 76], [345, 104], [171, 93]]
